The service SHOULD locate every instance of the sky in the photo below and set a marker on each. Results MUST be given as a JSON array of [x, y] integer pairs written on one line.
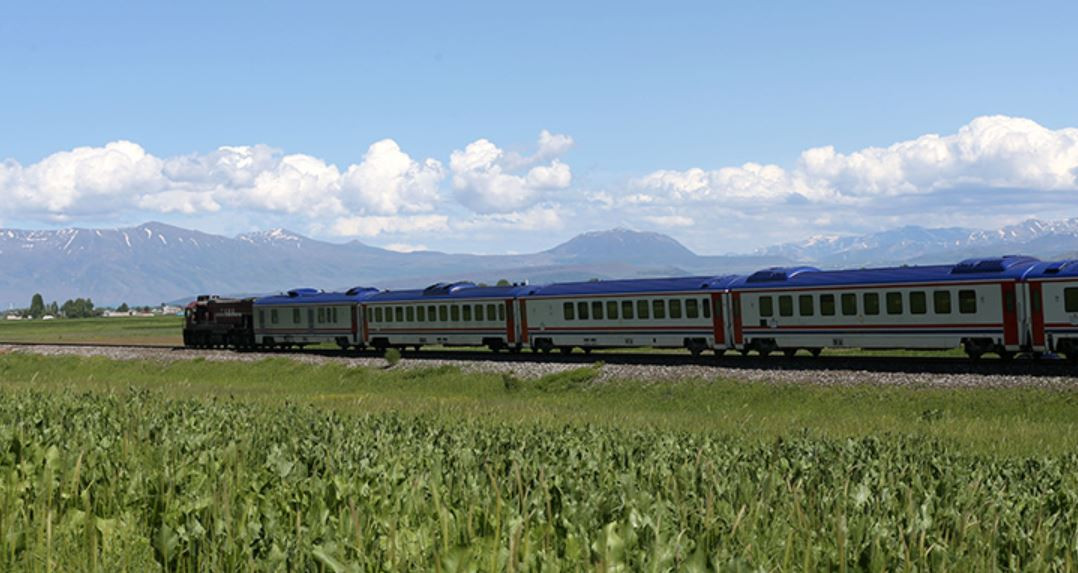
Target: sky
[[508, 127]]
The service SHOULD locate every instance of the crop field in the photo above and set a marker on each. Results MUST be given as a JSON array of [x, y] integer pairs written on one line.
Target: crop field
[[278, 465]]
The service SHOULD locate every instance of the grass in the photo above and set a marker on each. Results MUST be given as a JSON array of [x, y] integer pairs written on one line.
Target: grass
[[995, 421], [162, 330], [278, 465]]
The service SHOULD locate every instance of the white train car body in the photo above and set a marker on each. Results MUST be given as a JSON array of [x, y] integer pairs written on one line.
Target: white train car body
[[1052, 291], [456, 314], [976, 304], [660, 313], [302, 317]]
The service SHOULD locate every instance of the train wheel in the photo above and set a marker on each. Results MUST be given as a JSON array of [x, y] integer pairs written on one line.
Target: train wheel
[[587, 350], [789, 352], [764, 352], [720, 352], [1006, 355], [815, 352], [566, 349]]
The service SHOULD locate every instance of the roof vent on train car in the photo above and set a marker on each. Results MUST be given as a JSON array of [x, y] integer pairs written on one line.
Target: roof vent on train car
[[446, 288], [1057, 267], [990, 264], [776, 274], [359, 289], [303, 292]]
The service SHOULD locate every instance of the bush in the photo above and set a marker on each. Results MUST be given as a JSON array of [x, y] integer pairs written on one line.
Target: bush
[[393, 356]]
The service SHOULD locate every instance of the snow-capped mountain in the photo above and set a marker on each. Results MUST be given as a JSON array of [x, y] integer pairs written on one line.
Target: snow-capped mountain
[[155, 262], [913, 244]]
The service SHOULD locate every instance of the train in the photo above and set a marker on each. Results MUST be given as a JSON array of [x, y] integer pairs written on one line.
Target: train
[[1004, 306]]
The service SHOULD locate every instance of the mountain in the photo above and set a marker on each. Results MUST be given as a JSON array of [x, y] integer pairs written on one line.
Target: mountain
[[920, 245], [156, 262]]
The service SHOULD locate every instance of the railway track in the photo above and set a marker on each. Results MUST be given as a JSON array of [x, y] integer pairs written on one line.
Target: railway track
[[1046, 367]]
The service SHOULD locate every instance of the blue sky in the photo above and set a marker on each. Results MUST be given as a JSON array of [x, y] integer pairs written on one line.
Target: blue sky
[[236, 116]]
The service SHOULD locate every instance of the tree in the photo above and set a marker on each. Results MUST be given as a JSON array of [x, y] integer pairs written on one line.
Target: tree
[[122, 308], [503, 282], [54, 309], [37, 306]]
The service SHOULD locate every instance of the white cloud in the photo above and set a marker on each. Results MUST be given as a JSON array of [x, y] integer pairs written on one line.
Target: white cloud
[[405, 247], [488, 180], [533, 219], [374, 225], [990, 152], [388, 181], [670, 220]]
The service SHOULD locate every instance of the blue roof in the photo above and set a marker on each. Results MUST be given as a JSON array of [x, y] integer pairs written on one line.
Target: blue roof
[[448, 291], [315, 296], [1064, 268], [679, 284], [1010, 267]]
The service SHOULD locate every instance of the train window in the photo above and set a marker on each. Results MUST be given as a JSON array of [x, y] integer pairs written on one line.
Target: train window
[[582, 310], [1035, 298], [1070, 299], [612, 309], [378, 314], [767, 306], [432, 312], [707, 307], [894, 303], [421, 314], [918, 302], [398, 314], [389, 314], [642, 310], [849, 304], [454, 313], [466, 312], [675, 308], [871, 302], [967, 302], [491, 311], [786, 305], [827, 305], [261, 316], [273, 316], [658, 308], [597, 309], [295, 316], [443, 313], [479, 313], [805, 305], [692, 308], [321, 315], [501, 312], [334, 311], [568, 312], [410, 313], [941, 302], [627, 309]]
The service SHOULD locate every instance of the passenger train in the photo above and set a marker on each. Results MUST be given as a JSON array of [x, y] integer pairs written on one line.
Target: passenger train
[[1001, 305]]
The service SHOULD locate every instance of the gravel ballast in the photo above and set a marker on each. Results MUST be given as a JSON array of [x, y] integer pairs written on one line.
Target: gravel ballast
[[641, 372]]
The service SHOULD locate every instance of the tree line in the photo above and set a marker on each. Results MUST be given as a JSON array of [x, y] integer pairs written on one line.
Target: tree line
[[78, 308]]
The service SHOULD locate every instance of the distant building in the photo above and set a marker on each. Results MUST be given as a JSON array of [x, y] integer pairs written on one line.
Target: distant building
[[48, 317], [169, 309], [12, 317]]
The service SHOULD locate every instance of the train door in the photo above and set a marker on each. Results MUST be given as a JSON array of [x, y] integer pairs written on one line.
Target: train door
[[510, 322], [735, 316], [1036, 316], [310, 319], [1010, 316], [717, 322], [364, 336]]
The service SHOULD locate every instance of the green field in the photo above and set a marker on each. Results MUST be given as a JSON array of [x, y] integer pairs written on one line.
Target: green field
[[277, 465], [162, 330]]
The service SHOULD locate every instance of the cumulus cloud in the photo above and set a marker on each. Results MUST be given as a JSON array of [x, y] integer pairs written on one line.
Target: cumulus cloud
[[989, 152], [388, 181], [488, 180]]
